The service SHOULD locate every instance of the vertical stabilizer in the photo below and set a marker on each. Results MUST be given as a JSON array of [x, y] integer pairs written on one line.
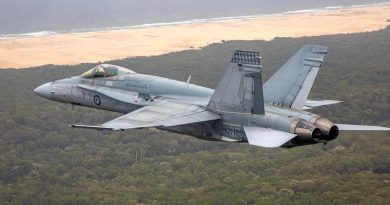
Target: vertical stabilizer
[[240, 89], [291, 84]]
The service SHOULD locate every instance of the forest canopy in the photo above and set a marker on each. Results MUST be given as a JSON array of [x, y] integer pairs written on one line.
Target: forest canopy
[[43, 161]]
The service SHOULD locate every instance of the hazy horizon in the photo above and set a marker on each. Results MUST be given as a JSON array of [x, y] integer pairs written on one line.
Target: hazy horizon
[[25, 16]]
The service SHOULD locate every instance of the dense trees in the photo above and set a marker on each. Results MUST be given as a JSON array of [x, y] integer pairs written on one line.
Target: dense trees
[[43, 161]]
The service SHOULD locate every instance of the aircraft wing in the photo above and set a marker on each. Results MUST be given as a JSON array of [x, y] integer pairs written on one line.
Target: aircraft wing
[[347, 127], [164, 114], [310, 104], [266, 137]]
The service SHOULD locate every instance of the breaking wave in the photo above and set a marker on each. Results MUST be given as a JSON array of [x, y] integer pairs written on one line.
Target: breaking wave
[[192, 21], [32, 34]]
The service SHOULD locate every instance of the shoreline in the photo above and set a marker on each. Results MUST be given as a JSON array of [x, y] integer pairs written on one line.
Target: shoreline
[[44, 33], [95, 46]]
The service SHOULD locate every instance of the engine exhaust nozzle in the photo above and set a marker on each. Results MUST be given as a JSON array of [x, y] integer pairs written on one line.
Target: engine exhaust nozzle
[[306, 131], [328, 129]]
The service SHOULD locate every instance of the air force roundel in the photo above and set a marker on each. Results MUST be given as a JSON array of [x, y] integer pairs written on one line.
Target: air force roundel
[[96, 100]]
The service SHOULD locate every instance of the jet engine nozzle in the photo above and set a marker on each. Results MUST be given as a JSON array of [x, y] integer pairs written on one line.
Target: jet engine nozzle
[[328, 129], [333, 133], [305, 130]]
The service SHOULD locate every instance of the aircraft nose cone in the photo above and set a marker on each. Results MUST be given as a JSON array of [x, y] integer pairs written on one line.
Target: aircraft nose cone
[[43, 90]]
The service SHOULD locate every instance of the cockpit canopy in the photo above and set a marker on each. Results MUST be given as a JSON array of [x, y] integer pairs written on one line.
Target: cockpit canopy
[[106, 70]]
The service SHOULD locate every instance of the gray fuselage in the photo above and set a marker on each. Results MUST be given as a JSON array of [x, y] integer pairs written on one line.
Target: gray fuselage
[[128, 92]]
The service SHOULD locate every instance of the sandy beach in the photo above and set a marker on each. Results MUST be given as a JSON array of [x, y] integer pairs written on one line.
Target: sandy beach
[[75, 48]]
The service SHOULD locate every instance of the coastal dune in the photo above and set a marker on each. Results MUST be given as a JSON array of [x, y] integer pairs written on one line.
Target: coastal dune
[[75, 48]]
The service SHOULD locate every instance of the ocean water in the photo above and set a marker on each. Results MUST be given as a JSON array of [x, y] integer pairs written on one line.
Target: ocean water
[[48, 17]]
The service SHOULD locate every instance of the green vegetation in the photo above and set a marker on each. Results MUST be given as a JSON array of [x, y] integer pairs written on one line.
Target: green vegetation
[[43, 161]]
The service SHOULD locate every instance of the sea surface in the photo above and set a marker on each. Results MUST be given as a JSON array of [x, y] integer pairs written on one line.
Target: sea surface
[[48, 17]]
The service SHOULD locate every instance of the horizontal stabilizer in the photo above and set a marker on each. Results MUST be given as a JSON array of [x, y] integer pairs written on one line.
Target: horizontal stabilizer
[[347, 127], [265, 137], [317, 103]]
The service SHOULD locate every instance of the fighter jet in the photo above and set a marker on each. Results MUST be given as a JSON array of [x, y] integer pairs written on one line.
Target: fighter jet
[[240, 109]]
